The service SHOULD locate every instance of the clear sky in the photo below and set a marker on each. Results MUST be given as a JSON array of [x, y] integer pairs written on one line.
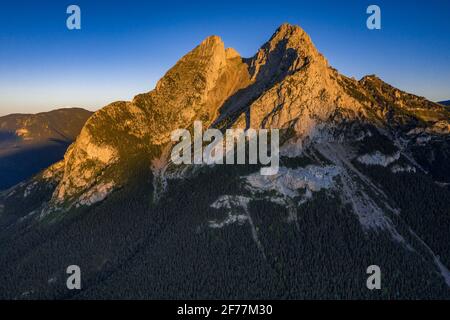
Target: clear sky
[[124, 47]]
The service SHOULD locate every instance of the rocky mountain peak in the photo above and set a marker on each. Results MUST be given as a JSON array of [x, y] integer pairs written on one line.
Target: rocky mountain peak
[[287, 85], [212, 41], [364, 172], [294, 36], [289, 49]]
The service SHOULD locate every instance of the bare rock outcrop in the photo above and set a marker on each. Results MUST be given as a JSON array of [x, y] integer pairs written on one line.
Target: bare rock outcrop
[[288, 84]]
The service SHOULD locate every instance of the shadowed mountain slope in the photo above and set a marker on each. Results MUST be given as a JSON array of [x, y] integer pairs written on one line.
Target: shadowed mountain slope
[[32, 142]]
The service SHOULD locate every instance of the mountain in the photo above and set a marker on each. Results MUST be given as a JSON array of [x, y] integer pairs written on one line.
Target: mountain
[[32, 142], [445, 103], [363, 180]]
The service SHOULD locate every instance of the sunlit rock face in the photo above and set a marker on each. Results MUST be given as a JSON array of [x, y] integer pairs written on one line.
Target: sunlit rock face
[[288, 84], [30, 143], [363, 176]]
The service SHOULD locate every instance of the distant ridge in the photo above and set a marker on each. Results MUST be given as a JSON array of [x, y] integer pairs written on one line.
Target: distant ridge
[[445, 103], [31, 142]]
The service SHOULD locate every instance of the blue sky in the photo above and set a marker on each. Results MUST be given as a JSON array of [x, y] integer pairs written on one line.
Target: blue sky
[[124, 47]]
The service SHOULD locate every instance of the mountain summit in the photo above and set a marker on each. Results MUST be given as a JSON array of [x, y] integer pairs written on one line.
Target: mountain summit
[[288, 84], [364, 179]]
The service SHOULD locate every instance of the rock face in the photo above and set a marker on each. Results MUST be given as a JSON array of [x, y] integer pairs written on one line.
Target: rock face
[[400, 109], [287, 80], [287, 84], [61, 124]]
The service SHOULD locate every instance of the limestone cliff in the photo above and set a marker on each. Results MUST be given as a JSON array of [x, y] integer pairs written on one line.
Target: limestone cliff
[[288, 84]]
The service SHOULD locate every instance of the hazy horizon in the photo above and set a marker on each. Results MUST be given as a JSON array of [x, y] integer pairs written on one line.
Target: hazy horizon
[[122, 49]]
